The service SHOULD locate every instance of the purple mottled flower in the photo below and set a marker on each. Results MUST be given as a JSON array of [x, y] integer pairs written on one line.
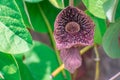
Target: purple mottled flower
[[72, 29]]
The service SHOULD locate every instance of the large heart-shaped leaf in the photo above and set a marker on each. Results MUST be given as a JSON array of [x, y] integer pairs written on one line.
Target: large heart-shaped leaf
[[95, 7], [41, 61], [8, 67], [111, 40], [42, 16], [112, 9], [14, 37], [100, 28]]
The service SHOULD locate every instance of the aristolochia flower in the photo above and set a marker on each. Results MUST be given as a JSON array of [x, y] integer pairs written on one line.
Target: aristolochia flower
[[72, 29]]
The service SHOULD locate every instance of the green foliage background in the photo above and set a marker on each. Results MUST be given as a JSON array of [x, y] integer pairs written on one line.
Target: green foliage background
[[16, 43]]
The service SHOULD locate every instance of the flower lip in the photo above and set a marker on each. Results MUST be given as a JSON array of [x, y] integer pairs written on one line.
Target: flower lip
[[72, 27], [71, 58]]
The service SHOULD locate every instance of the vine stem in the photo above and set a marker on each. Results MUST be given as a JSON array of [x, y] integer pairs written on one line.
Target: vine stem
[[97, 59], [28, 17], [115, 76], [71, 2], [59, 69], [85, 49], [51, 37]]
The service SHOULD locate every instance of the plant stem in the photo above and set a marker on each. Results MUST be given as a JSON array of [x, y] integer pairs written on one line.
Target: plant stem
[[97, 63], [115, 76], [28, 17], [51, 37], [85, 49], [71, 2], [57, 71]]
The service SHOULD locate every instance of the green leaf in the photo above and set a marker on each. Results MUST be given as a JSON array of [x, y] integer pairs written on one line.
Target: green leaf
[[24, 71], [33, 1], [111, 40], [8, 67], [112, 9], [58, 3], [14, 41], [42, 61], [13, 10], [95, 7], [42, 16], [12, 28], [100, 28]]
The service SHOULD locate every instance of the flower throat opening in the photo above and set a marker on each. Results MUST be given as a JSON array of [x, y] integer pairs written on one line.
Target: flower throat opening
[[72, 27]]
